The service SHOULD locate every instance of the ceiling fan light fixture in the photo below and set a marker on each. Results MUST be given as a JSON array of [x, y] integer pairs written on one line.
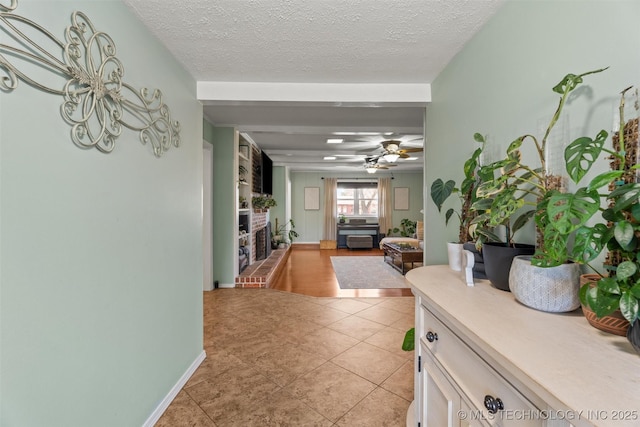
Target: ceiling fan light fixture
[[329, 158], [391, 157], [370, 169]]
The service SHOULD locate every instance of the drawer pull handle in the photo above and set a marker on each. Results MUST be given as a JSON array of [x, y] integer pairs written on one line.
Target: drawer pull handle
[[431, 337], [492, 404]]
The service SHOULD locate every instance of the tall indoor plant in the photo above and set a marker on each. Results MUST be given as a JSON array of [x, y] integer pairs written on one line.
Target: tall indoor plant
[[616, 230], [517, 185]]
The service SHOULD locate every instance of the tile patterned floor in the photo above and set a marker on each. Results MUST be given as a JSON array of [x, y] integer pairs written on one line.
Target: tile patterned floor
[[282, 359]]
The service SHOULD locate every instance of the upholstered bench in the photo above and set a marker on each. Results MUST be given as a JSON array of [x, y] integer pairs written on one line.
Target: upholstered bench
[[359, 242]]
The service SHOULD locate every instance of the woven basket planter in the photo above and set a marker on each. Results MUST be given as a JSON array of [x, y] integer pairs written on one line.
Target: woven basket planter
[[614, 323]]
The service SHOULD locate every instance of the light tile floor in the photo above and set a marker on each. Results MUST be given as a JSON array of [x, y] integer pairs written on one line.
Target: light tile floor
[[283, 359]]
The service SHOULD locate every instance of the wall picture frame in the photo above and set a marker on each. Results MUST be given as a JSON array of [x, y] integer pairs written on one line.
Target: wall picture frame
[[401, 198], [311, 198]]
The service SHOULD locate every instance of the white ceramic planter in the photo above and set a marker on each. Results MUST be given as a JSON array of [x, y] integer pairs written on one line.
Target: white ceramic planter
[[454, 250], [552, 289]]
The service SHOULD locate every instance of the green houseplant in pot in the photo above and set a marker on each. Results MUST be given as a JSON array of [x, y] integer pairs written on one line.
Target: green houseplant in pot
[[262, 203], [283, 234], [617, 231], [407, 228], [467, 196], [534, 280]]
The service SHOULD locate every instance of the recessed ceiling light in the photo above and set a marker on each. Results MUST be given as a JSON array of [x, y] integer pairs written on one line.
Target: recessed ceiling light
[[329, 158], [335, 141]]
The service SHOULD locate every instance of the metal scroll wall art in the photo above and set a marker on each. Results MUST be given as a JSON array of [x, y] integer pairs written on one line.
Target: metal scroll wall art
[[97, 103]]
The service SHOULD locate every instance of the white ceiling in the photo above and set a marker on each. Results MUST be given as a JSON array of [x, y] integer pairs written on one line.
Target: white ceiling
[[376, 46]]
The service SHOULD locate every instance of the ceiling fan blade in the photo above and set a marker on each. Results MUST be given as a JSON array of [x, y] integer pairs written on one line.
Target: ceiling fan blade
[[410, 150]]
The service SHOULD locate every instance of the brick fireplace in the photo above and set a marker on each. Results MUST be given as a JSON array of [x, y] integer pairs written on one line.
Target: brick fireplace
[[258, 223]]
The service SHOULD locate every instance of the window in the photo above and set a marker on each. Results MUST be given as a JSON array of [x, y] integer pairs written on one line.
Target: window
[[357, 198]]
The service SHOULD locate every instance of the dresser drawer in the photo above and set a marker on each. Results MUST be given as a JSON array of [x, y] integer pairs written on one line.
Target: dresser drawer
[[475, 378]]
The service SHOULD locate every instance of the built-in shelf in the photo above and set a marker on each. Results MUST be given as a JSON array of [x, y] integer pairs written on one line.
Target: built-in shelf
[[242, 156], [243, 183], [244, 210]]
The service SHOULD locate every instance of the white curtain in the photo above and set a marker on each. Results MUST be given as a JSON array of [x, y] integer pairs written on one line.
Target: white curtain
[[384, 204], [330, 209]]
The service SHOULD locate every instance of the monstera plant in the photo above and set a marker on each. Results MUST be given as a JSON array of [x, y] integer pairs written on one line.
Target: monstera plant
[[517, 185], [518, 191], [618, 231]]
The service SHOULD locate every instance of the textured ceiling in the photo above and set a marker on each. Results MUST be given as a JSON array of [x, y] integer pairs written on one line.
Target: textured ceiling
[[314, 41]]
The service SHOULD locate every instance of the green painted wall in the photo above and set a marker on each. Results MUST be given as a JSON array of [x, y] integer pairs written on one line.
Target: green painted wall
[[309, 223], [224, 201], [500, 85], [100, 254]]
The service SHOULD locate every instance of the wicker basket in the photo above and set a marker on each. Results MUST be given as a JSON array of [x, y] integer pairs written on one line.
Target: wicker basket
[[614, 323]]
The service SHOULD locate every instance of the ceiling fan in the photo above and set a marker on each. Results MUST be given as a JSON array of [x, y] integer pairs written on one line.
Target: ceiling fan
[[394, 151], [371, 164]]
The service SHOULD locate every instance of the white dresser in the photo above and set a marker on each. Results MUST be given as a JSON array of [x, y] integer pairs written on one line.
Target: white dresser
[[483, 359]]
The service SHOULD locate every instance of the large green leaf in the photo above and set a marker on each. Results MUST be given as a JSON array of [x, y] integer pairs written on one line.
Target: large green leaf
[[624, 234], [448, 215], [626, 269], [635, 290], [440, 191], [604, 179], [504, 205], [609, 285], [625, 196], [472, 163], [522, 220], [409, 342], [602, 303], [567, 211], [590, 242], [612, 215], [488, 235], [629, 306], [492, 187], [482, 204], [582, 153], [467, 185], [554, 250], [478, 137]]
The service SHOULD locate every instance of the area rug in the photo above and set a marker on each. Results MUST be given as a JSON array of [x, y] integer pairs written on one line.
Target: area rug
[[366, 272]]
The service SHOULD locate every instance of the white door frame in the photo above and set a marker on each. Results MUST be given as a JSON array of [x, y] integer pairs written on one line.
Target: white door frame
[[207, 217]]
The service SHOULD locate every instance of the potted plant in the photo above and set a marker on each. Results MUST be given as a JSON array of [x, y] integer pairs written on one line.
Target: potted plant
[[262, 203], [517, 185], [407, 228], [341, 219], [618, 231], [278, 235], [467, 195]]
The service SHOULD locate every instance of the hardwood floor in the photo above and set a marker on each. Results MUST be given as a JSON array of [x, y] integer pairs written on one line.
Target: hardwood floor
[[309, 271]]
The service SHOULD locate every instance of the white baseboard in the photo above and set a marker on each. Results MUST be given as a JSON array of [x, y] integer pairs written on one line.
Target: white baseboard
[[226, 285], [164, 404]]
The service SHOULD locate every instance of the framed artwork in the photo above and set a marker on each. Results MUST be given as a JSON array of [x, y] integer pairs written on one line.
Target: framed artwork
[[311, 198], [401, 198]]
